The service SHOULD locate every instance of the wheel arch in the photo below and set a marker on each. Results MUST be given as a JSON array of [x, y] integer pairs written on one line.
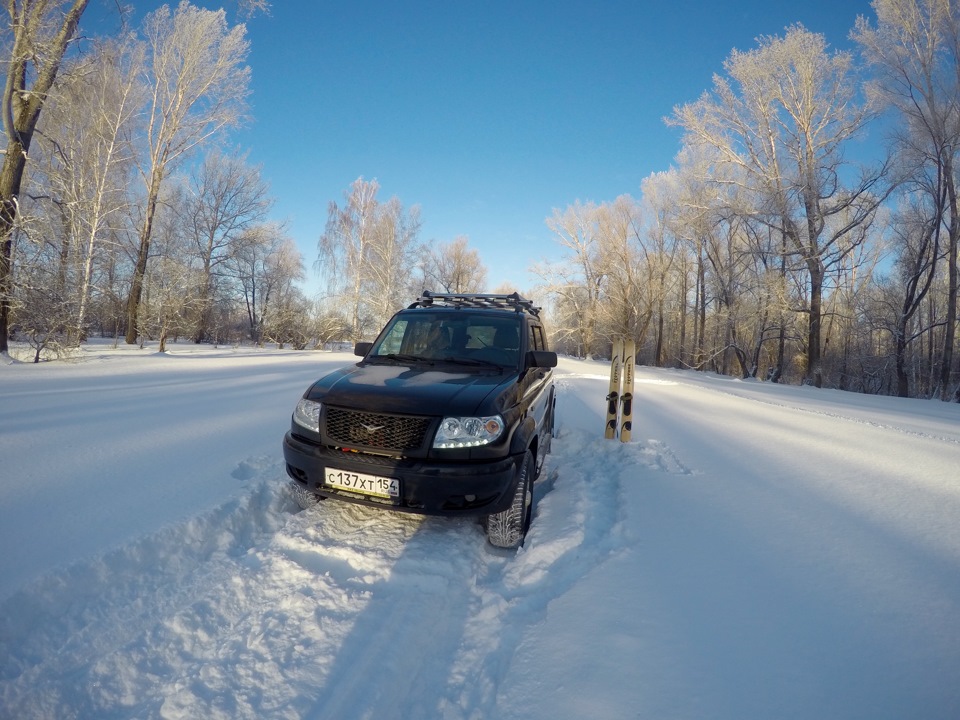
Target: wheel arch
[[525, 438]]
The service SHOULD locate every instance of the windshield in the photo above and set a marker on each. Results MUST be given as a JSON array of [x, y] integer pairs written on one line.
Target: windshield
[[467, 339]]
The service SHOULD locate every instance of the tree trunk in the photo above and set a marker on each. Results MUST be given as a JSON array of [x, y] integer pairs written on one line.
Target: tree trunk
[[658, 352], [903, 380], [140, 270], [701, 320], [950, 331], [11, 176], [814, 327]]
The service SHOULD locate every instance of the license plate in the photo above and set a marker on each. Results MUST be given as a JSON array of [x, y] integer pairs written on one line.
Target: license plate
[[363, 483]]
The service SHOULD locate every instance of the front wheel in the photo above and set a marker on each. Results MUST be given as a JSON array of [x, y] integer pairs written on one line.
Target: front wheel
[[303, 497], [508, 528]]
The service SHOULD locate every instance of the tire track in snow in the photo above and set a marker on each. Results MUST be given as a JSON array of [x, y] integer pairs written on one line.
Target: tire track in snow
[[250, 611], [577, 527], [403, 642]]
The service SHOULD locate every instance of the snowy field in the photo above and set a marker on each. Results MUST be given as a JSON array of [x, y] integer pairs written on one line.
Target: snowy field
[[756, 552]]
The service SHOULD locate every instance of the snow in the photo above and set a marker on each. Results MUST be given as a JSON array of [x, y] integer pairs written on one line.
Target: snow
[[757, 551]]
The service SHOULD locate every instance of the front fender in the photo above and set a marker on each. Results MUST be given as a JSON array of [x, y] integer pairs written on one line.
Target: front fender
[[523, 436]]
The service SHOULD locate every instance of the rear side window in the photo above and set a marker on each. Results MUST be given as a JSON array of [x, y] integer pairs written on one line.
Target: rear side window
[[536, 338]]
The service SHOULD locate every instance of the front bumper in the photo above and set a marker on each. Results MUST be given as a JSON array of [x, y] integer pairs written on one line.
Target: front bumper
[[426, 487]]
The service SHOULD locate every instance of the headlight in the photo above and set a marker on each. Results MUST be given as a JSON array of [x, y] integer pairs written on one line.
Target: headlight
[[462, 432], [307, 414]]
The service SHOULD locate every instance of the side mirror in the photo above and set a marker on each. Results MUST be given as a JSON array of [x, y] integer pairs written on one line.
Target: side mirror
[[541, 358], [362, 348]]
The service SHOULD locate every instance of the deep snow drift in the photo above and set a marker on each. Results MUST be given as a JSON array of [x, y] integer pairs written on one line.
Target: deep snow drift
[[757, 551]]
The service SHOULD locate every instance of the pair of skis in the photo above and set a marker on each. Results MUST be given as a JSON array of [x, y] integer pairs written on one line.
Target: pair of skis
[[620, 395]]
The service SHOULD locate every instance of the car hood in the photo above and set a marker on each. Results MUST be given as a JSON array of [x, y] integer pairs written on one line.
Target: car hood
[[416, 390]]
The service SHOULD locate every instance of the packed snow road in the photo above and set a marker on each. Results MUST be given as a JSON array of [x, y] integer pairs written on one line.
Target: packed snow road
[[756, 551]]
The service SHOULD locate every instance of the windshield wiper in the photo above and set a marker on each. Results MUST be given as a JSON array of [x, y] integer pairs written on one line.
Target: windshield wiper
[[472, 361], [401, 358]]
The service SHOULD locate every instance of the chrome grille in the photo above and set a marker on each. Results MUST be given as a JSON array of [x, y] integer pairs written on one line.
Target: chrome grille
[[385, 432]]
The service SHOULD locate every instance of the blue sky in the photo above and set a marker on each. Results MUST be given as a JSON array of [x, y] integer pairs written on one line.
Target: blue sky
[[488, 115]]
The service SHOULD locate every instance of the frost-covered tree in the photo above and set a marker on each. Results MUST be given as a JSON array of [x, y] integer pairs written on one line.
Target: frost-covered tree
[[39, 33], [366, 253], [89, 161], [454, 267], [225, 196], [915, 49], [782, 115], [198, 84]]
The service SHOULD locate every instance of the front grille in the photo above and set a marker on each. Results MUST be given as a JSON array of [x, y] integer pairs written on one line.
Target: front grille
[[395, 433]]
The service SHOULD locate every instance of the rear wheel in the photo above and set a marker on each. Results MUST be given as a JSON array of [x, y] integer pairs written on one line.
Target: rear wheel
[[508, 528]]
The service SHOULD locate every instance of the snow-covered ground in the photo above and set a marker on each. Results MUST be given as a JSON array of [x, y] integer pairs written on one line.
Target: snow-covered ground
[[756, 552]]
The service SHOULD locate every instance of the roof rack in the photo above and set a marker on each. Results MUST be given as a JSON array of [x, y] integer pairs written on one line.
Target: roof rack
[[513, 301]]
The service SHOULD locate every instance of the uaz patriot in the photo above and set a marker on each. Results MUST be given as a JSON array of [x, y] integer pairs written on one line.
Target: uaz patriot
[[450, 411]]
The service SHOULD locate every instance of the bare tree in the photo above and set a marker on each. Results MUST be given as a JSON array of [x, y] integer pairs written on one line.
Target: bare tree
[[327, 324], [169, 287], [42, 30], [366, 252], [40, 308], [455, 267], [915, 48], [684, 201], [265, 265], [226, 197], [626, 305], [199, 85], [916, 235], [343, 249]]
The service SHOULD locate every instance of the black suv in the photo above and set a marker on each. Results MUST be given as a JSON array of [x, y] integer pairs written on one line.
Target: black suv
[[450, 412]]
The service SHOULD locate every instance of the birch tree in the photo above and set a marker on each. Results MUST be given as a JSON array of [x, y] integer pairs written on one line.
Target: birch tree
[[91, 160], [393, 255], [198, 87], [367, 252], [343, 249], [40, 32]]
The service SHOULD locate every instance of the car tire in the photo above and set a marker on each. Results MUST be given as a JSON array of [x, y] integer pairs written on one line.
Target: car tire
[[303, 497], [507, 529]]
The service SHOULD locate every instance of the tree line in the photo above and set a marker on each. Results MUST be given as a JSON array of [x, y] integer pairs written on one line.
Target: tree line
[[122, 209], [769, 250], [124, 212]]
